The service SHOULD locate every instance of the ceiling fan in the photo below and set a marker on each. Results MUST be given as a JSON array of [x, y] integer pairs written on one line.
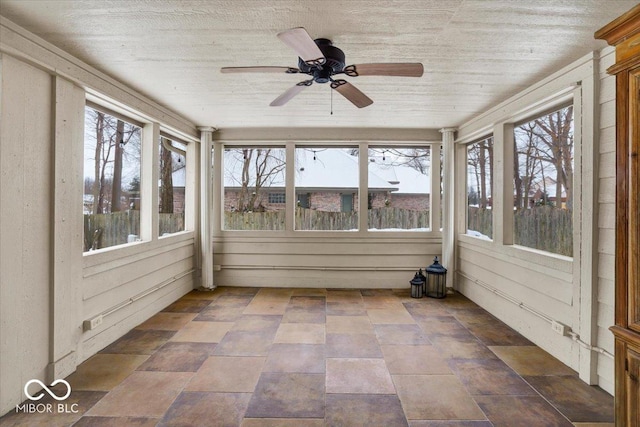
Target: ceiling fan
[[322, 61]]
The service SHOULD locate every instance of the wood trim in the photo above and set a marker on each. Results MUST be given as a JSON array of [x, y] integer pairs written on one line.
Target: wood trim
[[633, 187], [622, 213], [620, 28], [625, 334], [625, 65]]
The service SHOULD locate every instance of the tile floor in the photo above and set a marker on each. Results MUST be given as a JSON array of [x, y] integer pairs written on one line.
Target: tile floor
[[315, 357]]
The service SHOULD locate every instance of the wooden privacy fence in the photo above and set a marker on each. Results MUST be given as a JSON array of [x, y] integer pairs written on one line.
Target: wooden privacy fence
[[544, 227], [310, 219], [105, 230], [398, 218], [272, 220], [480, 220]]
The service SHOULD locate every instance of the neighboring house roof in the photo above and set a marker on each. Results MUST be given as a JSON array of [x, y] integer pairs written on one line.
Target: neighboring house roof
[[407, 179], [333, 170]]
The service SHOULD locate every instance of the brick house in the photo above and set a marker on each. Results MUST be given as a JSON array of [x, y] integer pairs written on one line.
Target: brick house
[[327, 180]]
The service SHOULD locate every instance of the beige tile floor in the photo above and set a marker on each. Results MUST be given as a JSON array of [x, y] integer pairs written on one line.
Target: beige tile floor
[[315, 357]]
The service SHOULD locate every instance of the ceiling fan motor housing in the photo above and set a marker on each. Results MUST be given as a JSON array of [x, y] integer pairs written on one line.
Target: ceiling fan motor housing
[[334, 63]]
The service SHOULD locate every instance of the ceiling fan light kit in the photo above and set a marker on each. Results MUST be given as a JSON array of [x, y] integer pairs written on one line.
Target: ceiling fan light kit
[[321, 60]]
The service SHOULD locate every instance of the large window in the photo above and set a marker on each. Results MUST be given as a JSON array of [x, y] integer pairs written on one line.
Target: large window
[[111, 202], [479, 187], [171, 186], [399, 188], [252, 175], [326, 181], [543, 182]]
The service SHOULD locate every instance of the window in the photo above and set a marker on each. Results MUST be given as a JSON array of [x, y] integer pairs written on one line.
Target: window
[[543, 182], [479, 187], [111, 202], [171, 186], [304, 200], [399, 188], [330, 178], [277, 198], [251, 174]]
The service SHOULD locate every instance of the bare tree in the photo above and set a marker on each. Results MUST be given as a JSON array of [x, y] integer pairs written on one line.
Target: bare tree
[[110, 135], [416, 158], [259, 168], [544, 145], [166, 178], [480, 159], [555, 131]]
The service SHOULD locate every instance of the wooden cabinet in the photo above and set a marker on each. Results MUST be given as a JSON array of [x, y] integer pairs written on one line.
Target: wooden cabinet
[[624, 34]]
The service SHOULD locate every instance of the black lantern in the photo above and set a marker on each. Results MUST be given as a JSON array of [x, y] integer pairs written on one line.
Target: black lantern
[[417, 285], [424, 281], [436, 280]]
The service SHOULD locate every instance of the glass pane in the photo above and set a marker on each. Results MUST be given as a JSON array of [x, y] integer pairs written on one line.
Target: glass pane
[[254, 188], [111, 202], [327, 181], [171, 186], [479, 185], [543, 182], [399, 189]]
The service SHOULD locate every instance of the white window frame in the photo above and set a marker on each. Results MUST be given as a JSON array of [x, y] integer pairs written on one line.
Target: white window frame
[[290, 191]]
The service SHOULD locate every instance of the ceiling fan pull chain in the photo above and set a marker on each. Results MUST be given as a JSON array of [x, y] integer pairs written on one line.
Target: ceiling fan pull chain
[[331, 92]]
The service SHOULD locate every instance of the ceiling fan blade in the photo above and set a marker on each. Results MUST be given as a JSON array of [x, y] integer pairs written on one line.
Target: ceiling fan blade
[[290, 93], [301, 42], [352, 93], [403, 69], [287, 70]]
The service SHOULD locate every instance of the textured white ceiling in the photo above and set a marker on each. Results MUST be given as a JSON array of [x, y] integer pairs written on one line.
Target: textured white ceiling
[[475, 53]]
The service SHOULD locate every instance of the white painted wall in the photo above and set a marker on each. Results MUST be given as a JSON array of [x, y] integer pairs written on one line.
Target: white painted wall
[[333, 262], [606, 250], [48, 287], [555, 287], [26, 154]]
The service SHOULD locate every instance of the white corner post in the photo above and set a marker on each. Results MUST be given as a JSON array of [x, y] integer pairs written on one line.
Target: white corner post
[[206, 184], [448, 203]]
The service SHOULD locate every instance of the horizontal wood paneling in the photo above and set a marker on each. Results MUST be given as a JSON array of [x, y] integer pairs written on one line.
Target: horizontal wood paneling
[[120, 322], [114, 277], [606, 221], [326, 262], [117, 294], [534, 328], [546, 294]]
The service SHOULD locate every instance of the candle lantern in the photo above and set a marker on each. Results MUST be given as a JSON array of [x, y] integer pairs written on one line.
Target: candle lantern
[[424, 282], [417, 286], [435, 284]]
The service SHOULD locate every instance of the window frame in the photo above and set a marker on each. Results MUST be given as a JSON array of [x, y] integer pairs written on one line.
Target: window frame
[[430, 148], [543, 98], [151, 130], [291, 192], [141, 125], [546, 109], [187, 224], [492, 172]]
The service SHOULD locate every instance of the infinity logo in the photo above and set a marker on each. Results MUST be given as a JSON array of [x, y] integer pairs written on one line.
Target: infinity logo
[[47, 389]]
